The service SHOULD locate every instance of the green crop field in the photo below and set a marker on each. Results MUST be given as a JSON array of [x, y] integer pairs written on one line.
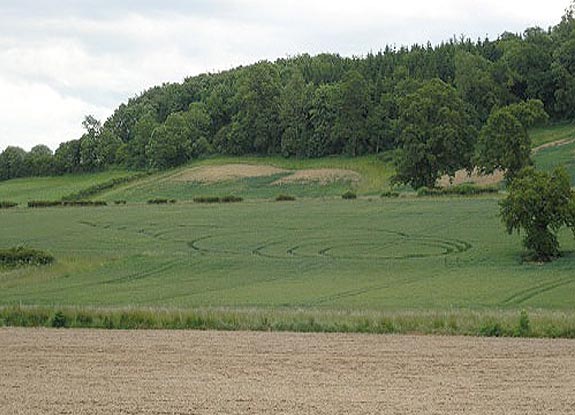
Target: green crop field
[[364, 254]]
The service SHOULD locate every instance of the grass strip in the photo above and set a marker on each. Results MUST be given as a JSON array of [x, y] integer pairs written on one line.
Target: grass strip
[[508, 323]]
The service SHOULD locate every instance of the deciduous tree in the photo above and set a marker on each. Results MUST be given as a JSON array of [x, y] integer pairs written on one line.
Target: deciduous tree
[[539, 204]]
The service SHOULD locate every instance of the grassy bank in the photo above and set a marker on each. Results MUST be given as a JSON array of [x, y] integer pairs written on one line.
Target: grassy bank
[[508, 323]]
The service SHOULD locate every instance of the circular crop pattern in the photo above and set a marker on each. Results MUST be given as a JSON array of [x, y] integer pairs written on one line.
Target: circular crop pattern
[[357, 245]]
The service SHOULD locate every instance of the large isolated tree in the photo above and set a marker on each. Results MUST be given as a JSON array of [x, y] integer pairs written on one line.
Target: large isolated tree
[[539, 204], [437, 136]]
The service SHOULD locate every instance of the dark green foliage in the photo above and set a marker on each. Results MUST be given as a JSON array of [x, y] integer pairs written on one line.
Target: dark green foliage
[[207, 199], [72, 203], [465, 189], [4, 204], [218, 199], [58, 320], [539, 204], [84, 203], [285, 198], [390, 194], [119, 202], [44, 203], [524, 328], [230, 199], [437, 136], [349, 195], [158, 201], [21, 256], [492, 329], [504, 143]]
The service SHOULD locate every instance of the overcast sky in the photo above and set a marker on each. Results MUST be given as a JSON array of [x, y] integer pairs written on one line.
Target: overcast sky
[[63, 59]]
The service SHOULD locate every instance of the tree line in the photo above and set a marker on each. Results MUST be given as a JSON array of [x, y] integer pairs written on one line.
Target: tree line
[[456, 105]]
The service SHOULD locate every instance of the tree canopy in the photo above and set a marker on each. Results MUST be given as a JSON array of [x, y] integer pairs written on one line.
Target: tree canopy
[[539, 204]]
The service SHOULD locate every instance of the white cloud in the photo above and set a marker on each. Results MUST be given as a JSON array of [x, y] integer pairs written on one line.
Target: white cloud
[[34, 113]]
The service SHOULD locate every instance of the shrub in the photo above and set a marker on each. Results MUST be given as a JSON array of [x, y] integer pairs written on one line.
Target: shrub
[[58, 320], [158, 201], [216, 199], [390, 194], [285, 198], [172, 201], [465, 189], [231, 199], [119, 202], [7, 205], [21, 256], [72, 203], [524, 328], [349, 195], [44, 203], [84, 203]]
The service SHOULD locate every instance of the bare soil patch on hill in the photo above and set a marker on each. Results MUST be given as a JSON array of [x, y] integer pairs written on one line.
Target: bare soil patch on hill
[[226, 172], [45, 371], [462, 176], [321, 176]]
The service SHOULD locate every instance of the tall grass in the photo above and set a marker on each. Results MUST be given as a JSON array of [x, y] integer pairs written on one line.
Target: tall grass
[[541, 324]]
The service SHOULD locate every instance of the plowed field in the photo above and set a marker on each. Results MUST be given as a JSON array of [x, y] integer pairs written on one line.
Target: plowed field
[[188, 372]]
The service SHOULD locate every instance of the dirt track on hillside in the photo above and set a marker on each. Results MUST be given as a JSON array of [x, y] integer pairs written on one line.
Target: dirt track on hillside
[[188, 372]]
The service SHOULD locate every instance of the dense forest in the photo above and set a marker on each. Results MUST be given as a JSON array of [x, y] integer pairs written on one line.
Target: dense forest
[[441, 108]]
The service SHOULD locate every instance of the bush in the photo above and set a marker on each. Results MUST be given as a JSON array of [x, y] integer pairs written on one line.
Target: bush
[[72, 203], [216, 199], [231, 199], [285, 198], [44, 203], [390, 194], [524, 328], [21, 256], [158, 201], [465, 189], [349, 195], [119, 202], [84, 203], [7, 205], [58, 320]]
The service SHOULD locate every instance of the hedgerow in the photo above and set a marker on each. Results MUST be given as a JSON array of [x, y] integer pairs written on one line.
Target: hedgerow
[[21, 256], [7, 204]]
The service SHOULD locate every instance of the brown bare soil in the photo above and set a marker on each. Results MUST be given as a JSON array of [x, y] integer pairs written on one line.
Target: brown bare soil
[[226, 172], [48, 372], [322, 176], [461, 176]]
